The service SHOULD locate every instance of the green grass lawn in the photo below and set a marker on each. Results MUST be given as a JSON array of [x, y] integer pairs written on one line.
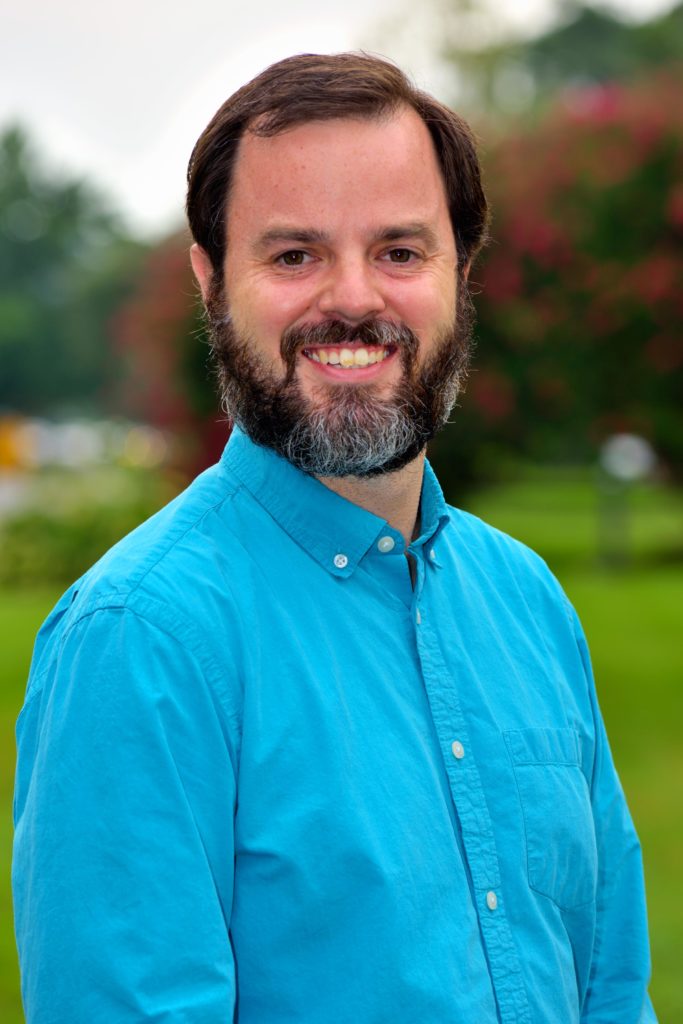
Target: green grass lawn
[[633, 619]]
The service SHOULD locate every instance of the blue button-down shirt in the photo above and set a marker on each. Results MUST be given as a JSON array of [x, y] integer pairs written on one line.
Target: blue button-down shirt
[[264, 776]]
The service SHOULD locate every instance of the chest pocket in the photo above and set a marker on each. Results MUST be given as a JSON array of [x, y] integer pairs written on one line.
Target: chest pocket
[[558, 819]]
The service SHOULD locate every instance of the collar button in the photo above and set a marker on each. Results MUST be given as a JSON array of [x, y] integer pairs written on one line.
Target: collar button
[[386, 544], [341, 561]]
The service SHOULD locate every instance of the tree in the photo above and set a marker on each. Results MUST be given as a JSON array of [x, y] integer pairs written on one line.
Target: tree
[[498, 69], [159, 336], [65, 264], [582, 286]]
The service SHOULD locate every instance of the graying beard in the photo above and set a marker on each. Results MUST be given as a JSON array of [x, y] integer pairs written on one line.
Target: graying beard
[[360, 436], [351, 445], [352, 432]]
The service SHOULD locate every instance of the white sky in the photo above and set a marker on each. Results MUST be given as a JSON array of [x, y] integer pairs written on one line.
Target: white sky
[[120, 91]]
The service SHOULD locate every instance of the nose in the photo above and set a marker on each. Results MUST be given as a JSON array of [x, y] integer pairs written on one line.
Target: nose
[[351, 291]]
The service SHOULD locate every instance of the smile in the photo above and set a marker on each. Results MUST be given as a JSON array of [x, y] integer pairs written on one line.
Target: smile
[[349, 358]]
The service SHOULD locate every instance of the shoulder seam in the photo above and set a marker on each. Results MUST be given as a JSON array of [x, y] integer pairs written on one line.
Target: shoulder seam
[[144, 607], [135, 585]]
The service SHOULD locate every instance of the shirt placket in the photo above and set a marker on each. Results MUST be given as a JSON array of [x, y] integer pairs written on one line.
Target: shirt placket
[[477, 839]]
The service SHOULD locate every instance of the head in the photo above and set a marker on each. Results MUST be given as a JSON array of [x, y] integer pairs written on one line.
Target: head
[[336, 206], [325, 87]]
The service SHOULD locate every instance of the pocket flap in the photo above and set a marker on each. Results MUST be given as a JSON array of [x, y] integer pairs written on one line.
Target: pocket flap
[[544, 746]]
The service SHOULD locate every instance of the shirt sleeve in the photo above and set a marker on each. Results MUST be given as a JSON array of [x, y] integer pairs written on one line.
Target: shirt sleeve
[[620, 969], [124, 851]]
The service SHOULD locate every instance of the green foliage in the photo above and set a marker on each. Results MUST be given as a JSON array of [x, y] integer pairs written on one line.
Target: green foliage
[[596, 46], [73, 521], [588, 45], [65, 265]]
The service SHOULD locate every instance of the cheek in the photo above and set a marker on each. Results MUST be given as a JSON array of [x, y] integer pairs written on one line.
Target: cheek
[[267, 310], [427, 310]]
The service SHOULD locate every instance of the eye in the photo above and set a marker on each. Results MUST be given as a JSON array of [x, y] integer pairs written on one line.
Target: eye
[[292, 258], [401, 255]]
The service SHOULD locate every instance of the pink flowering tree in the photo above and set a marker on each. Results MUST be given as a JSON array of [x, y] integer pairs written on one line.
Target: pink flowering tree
[[581, 289]]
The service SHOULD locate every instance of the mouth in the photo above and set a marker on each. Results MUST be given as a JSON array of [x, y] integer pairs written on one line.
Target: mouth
[[349, 357]]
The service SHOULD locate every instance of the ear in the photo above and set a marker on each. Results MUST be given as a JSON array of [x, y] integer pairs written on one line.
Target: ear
[[202, 267]]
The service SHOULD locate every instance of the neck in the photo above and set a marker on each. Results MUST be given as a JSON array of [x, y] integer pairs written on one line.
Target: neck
[[391, 496]]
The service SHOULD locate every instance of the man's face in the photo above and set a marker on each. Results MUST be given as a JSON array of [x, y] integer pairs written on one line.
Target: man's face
[[336, 332]]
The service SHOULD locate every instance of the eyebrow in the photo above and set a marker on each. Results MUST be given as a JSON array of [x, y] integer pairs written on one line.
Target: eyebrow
[[308, 236], [283, 233], [414, 229]]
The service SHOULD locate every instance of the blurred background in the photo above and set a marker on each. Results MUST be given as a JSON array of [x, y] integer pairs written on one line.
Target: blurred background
[[570, 435]]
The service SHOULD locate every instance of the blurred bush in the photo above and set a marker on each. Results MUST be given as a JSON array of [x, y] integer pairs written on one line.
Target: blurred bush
[[159, 336], [73, 518], [582, 285], [66, 263]]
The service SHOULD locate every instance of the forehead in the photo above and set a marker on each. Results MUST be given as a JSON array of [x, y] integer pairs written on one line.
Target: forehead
[[350, 168]]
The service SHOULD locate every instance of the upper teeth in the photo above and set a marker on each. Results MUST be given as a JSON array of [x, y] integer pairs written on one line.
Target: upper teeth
[[347, 357]]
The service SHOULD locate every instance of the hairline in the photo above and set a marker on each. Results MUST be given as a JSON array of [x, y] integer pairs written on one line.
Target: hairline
[[308, 88], [384, 113]]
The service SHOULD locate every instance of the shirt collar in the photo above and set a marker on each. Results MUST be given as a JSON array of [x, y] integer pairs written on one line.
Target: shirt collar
[[334, 531]]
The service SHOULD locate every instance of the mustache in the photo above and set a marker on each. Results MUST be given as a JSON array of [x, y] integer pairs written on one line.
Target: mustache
[[371, 331]]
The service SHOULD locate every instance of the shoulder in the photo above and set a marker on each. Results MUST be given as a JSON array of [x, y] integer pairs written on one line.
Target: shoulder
[[485, 553], [507, 599], [174, 573], [159, 549], [488, 542]]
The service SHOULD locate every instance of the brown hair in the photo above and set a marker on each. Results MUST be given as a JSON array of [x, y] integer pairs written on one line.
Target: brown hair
[[312, 87]]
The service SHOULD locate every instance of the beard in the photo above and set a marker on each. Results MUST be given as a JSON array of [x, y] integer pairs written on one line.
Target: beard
[[343, 429]]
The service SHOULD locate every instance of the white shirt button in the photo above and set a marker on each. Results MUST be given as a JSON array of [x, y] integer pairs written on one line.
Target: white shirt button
[[341, 561], [491, 900], [386, 544], [458, 749], [432, 554]]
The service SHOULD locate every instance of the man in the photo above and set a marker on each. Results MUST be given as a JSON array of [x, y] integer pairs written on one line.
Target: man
[[310, 745]]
